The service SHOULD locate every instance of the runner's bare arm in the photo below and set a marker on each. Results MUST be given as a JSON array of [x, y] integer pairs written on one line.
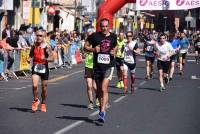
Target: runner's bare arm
[[88, 48], [137, 51], [114, 50], [51, 56]]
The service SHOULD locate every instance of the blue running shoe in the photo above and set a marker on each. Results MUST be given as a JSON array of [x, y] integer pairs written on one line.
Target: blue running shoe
[[102, 117]]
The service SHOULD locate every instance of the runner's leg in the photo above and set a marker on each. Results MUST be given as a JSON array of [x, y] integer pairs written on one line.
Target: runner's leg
[[35, 81]]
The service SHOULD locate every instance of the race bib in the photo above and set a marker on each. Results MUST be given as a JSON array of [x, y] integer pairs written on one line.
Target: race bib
[[182, 51], [103, 58], [40, 68], [129, 59], [149, 48]]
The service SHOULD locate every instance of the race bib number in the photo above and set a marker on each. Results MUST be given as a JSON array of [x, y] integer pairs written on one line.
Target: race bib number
[[149, 48], [182, 51], [129, 59], [40, 68], [103, 58]]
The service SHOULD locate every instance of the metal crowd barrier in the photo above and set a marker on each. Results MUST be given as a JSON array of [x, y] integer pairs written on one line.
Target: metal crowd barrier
[[64, 54]]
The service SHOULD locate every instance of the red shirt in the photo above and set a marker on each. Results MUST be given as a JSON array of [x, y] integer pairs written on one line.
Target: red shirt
[[39, 55]]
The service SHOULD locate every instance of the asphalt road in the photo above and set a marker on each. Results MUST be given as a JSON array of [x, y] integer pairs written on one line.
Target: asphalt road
[[148, 111]]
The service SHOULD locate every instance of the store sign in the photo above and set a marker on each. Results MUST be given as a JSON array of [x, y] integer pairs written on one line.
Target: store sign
[[167, 4], [6, 4], [61, 2]]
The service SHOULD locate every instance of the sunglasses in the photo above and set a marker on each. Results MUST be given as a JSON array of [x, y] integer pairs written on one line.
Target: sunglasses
[[38, 35], [129, 36]]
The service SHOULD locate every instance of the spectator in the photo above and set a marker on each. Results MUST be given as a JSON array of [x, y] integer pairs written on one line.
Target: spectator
[[6, 48]]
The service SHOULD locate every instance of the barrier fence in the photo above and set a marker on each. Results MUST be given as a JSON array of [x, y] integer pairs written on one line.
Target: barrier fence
[[65, 56]]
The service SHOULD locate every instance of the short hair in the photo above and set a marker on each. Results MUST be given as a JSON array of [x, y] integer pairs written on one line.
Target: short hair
[[104, 19], [162, 34]]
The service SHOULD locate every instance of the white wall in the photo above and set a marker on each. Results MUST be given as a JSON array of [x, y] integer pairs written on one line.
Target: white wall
[[68, 21]]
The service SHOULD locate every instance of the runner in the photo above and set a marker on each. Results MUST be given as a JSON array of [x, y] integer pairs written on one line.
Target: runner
[[174, 42], [197, 49], [41, 54], [130, 51], [119, 59], [149, 49], [89, 76], [104, 49], [164, 52], [183, 49]]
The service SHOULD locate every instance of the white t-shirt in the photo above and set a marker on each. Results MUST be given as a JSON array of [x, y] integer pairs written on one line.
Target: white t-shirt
[[164, 51]]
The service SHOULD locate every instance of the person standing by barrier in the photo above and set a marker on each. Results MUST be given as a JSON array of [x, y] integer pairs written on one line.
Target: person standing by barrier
[[164, 52], [41, 54], [120, 59], [6, 48], [130, 51], [104, 49], [183, 49]]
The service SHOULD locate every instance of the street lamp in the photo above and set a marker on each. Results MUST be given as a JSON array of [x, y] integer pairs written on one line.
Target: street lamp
[[165, 27]]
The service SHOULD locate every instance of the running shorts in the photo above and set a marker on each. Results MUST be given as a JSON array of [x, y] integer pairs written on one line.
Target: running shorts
[[43, 76], [163, 65], [89, 73]]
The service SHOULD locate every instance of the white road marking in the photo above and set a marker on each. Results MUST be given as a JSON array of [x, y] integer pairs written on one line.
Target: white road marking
[[77, 123], [194, 77], [142, 83], [191, 60], [95, 113], [51, 81], [119, 99], [67, 128]]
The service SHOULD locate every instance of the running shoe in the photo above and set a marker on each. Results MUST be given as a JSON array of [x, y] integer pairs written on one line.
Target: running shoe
[[121, 84], [162, 88], [97, 102], [170, 79], [118, 84], [102, 117], [181, 72], [90, 106], [35, 104], [43, 108], [166, 79], [147, 77]]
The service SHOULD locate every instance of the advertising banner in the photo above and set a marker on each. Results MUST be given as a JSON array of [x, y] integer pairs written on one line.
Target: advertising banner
[[6, 4], [167, 4], [24, 65]]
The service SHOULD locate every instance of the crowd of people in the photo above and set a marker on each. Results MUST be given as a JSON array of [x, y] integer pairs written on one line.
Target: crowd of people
[[103, 51], [109, 51]]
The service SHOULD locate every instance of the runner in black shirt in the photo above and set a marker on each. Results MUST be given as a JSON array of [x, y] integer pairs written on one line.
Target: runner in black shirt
[[104, 49]]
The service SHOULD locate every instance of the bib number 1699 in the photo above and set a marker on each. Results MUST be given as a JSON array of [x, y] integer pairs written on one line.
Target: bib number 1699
[[103, 58]]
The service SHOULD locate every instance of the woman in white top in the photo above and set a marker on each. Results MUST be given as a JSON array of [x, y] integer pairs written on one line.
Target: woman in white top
[[164, 52], [130, 51]]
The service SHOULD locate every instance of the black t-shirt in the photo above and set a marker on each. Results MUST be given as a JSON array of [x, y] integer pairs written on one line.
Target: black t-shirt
[[103, 60]]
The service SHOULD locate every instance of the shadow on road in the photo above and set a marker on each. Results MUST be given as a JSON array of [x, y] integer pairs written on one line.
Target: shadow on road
[[21, 109], [148, 88], [75, 105], [112, 86], [116, 93], [85, 119]]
